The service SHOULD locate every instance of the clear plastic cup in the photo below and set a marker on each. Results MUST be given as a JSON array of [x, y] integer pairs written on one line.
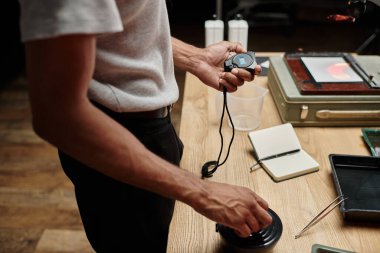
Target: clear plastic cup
[[245, 106]]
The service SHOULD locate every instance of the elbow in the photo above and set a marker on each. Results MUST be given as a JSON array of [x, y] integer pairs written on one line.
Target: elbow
[[47, 124], [55, 122], [48, 129], [41, 127]]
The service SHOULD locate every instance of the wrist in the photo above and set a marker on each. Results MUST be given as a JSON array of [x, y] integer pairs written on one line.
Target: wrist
[[196, 194], [187, 57], [196, 60]]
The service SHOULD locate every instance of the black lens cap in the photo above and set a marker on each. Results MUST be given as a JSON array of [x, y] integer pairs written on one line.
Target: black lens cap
[[261, 241]]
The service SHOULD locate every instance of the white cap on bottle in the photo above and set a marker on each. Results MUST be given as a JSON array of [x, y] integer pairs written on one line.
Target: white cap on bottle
[[238, 31], [214, 31]]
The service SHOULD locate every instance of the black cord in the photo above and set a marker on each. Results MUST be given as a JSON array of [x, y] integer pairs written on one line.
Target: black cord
[[210, 167]]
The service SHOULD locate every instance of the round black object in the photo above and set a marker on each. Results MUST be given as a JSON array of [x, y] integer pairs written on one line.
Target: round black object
[[262, 241], [242, 60], [245, 61]]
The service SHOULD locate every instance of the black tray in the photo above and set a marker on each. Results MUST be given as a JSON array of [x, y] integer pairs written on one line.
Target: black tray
[[358, 178]]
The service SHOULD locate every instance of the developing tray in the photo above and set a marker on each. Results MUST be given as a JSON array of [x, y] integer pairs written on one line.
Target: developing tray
[[358, 178]]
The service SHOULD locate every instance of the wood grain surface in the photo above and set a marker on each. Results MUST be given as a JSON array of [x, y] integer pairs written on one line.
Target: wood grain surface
[[296, 201], [38, 211]]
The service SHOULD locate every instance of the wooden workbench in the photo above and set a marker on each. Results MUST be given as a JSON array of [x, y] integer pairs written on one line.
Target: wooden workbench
[[296, 201]]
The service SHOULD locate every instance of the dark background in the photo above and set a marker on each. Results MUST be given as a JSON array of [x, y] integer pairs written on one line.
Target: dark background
[[282, 25]]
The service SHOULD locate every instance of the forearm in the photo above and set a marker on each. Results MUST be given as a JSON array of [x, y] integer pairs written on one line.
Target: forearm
[[63, 115], [186, 56], [112, 150]]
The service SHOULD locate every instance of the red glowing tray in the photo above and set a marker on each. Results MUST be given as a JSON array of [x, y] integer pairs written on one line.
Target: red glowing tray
[[330, 74]]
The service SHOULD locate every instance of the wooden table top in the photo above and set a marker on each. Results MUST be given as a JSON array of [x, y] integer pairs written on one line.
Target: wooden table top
[[296, 201]]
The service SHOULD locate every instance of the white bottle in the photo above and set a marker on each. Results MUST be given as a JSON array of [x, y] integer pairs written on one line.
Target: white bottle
[[238, 31], [214, 31]]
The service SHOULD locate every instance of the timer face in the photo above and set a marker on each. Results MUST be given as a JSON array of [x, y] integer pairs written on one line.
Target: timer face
[[243, 60]]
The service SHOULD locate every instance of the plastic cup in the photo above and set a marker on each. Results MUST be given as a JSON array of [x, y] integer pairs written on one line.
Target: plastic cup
[[245, 106]]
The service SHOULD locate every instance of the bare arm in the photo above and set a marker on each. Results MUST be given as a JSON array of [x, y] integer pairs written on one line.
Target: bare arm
[[59, 71]]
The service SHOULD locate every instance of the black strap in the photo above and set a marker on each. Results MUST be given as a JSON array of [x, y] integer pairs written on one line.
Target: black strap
[[209, 168]]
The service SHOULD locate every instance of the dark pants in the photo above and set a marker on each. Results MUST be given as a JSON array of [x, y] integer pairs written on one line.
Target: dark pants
[[118, 217]]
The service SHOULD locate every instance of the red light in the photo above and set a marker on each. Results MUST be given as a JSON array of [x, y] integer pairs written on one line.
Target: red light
[[338, 71], [341, 18]]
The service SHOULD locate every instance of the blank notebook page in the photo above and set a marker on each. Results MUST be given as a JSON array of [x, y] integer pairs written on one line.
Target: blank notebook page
[[290, 165], [274, 140], [277, 140]]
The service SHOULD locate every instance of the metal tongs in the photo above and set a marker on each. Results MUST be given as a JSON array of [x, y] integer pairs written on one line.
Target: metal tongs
[[321, 215]]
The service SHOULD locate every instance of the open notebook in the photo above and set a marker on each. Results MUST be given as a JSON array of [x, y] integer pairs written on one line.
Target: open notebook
[[279, 152]]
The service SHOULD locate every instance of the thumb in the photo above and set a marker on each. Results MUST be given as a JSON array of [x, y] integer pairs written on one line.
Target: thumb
[[236, 47]]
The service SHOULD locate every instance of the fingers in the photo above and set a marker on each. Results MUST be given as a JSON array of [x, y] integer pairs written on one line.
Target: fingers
[[244, 231], [263, 217], [255, 218], [238, 208], [262, 202], [258, 69], [236, 78], [254, 223], [230, 81], [243, 74], [235, 47], [261, 211]]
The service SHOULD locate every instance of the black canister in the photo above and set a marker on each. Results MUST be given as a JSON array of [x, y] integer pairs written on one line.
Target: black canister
[[260, 242]]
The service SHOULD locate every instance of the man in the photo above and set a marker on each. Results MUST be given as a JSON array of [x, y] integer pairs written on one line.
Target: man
[[101, 80]]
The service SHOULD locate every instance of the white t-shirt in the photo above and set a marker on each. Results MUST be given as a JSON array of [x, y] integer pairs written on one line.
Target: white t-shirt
[[134, 68]]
